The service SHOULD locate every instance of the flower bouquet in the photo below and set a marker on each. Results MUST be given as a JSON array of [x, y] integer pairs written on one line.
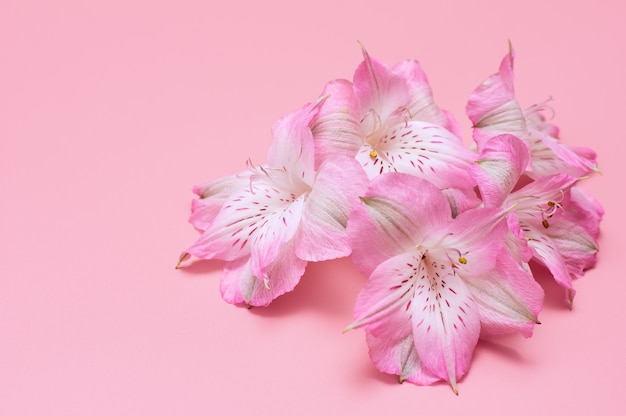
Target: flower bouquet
[[373, 168]]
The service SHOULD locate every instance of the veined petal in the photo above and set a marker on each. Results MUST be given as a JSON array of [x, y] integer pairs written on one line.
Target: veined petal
[[379, 91], [546, 252], [574, 241], [422, 149], [540, 195], [473, 240], [240, 285], [237, 280], [539, 208], [492, 106], [397, 211], [213, 195], [336, 128], [446, 321], [383, 306], [498, 168], [283, 276], [292, 149], [399, 357], [508, 298], [322, 233], [585, 210], [277, 228], [243, 217], [421, 105], [550, 156], [516, 243]]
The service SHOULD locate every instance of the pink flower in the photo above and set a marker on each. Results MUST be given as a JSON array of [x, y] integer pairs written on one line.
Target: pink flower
[[559, 222], [494, 110], [387, 119], [268, 221], [435, 283]]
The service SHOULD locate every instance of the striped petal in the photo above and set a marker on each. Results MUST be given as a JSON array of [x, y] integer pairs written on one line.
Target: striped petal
[[551, 156], [421, 105], [212, 196], [508, 298], [446, 321], [399, 357], [422, 149], [493, 109], [247, 217], [380, 92], [336, 128], [396, 212], [240, 285], [322, 234], [498, 168]]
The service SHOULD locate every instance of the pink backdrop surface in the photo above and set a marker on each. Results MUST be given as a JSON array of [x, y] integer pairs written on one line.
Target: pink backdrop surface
[[111, 111]]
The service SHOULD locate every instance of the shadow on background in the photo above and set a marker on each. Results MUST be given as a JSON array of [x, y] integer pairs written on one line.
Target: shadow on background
[[555, 295], [329, 287]]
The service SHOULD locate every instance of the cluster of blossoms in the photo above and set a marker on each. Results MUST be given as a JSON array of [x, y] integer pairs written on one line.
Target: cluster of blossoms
[[375, 169]]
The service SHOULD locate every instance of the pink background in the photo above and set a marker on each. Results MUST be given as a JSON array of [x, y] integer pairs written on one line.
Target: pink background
[[110, 112]]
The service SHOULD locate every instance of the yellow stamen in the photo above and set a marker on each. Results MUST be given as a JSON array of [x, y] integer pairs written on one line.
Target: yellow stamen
[[462, 260], [545, 223], [373, 154]]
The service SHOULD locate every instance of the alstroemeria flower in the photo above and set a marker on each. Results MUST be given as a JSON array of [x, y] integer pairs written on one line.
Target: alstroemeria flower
[[559, 222], [387, 119], [494, 110], [267, 222], [560, 240], [436, 283]]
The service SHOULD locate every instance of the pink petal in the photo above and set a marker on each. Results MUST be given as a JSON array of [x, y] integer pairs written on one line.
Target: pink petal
[[383, 306], [213, 195], [336, 127], [379, 90], [508, 298], [446, 321], [398, 357], [585, 210], [396, 212], [550, 156], [236, 280], [421, 105], [536, 205], [322, 233], [533, 198], [421, 149], [516, 243], [574, 242], [277, 228], [292, 149], [492, 106], [501, 163], [240, 285], [547, 252], [461, 199], [473, 240]]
